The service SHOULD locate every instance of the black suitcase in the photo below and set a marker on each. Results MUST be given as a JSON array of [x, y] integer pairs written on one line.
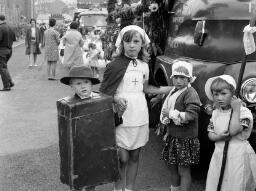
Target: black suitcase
[[88, 155]]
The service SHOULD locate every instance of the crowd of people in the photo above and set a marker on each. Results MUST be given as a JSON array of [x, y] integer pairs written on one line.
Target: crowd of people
[[83, 48], [80, 49], [67, 46], [126, 79]]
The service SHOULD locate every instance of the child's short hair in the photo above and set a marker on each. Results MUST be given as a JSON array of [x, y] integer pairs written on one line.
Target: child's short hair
[[219, 84]]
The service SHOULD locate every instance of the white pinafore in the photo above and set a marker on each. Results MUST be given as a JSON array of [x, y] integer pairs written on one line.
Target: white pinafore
[[134, 132]]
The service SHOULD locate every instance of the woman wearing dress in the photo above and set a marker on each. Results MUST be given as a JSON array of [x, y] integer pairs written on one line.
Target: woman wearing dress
[[32, 42], [73, 42], [52, 42]]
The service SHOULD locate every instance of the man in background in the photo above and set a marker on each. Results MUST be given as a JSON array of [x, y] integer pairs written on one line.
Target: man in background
[[7, 36]]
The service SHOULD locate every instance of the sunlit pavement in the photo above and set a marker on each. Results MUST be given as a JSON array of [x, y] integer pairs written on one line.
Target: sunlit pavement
[[29, 155]]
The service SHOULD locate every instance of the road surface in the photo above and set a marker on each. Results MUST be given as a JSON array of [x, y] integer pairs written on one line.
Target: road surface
[[29, 154]]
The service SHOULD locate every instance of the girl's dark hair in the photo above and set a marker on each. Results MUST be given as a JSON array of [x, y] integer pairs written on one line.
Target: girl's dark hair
[[52, 22], [32, 20], [219, 84], [74, 25], [127, 37]]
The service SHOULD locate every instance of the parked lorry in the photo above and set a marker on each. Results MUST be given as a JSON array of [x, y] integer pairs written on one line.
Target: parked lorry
[[90, 18], [209, 33]]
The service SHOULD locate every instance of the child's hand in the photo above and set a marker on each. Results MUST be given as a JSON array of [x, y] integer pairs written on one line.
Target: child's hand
[[174, 114], [121, 104], [161, 129], [165, 112], [236, 102], [155, 100], [166, 120], [225, 134], [177, 121]]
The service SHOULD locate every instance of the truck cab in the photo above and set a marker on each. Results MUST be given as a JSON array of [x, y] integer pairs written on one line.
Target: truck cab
[[209, 33], [90, 18]]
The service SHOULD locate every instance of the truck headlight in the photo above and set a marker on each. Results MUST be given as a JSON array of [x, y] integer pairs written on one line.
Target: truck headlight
[[248, 90]]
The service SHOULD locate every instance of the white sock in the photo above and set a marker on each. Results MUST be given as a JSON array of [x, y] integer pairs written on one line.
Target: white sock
[[127, 189], [175, 188]]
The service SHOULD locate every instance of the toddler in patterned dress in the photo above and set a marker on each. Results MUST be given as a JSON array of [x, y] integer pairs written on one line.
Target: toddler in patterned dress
[[180, 114]]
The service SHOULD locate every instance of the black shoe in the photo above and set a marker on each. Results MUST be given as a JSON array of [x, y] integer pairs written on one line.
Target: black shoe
[[52, 79], [6, 89], [11, 84]]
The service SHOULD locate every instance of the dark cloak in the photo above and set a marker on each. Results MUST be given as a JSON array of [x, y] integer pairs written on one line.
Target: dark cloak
[[114, 74]]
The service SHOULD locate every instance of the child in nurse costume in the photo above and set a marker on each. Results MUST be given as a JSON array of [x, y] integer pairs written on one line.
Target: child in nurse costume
[[126, 79]]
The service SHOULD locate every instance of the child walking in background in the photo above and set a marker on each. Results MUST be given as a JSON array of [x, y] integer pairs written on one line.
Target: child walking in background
[[94, 56], [126, 79], [180, 114], [230, 120]]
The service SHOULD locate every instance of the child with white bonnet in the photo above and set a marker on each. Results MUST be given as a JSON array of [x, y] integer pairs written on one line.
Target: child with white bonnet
[[180, 114], [127, 79], [232, 121]]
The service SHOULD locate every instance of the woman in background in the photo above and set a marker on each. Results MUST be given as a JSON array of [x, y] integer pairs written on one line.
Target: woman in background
[[52, 42], [32, 42], [73, 42]]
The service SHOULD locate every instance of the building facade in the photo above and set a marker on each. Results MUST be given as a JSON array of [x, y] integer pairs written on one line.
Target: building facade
[[17, 11], [49, 6], [3, 7]]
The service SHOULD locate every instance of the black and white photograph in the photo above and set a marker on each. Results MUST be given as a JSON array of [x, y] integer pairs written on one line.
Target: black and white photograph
[[127, 95]]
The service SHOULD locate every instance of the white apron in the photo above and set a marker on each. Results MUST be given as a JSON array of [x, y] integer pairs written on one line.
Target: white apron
[[134, 132], [240, 171]]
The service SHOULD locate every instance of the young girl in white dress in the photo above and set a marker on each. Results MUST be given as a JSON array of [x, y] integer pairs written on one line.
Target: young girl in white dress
[[129, 91], [240, 170]]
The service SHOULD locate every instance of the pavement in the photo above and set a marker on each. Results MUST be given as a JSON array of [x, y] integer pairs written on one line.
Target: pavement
[[29, 150], [18, 43]]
